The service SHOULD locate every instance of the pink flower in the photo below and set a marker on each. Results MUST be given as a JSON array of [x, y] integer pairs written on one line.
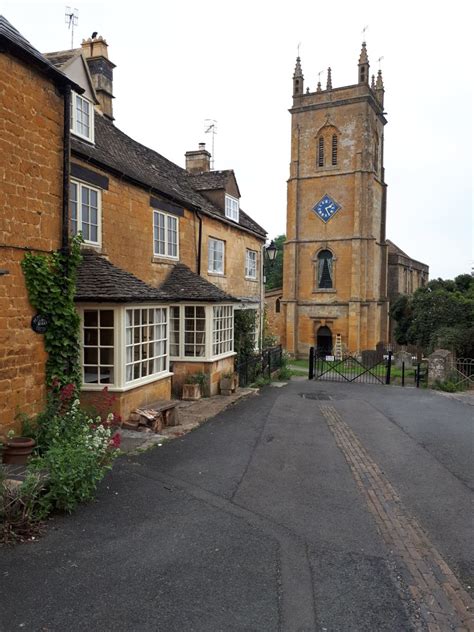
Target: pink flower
[[115, 440]]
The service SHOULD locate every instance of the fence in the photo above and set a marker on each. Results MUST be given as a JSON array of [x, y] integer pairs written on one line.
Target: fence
[[262, 365], [462, 374]]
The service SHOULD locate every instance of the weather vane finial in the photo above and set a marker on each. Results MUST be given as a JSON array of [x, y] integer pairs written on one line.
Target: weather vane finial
[[298, 48], [363, 32], [380, 62]]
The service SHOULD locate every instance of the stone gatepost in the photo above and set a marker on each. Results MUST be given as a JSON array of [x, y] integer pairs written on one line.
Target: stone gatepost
[[440, 363]]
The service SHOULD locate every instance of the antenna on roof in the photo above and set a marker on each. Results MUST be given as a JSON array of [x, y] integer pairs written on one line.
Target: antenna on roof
[[71, 18], [210, 128]]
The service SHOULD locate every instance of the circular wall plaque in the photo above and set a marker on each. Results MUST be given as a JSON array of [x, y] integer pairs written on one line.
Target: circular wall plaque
[[39, 324]]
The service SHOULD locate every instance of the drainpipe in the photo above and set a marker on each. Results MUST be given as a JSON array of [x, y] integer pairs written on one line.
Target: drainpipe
[[66, 169], [199, 244]]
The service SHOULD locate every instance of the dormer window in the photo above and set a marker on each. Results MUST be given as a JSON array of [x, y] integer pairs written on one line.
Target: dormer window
[[232, 208], [82, 117]]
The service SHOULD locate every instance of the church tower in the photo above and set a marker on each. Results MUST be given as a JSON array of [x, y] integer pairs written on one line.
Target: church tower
[[335, 257]]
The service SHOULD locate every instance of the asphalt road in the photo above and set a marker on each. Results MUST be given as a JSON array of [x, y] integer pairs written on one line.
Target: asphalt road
[[316, 506]]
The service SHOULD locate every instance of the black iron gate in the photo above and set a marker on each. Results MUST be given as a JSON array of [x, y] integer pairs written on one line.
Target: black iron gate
[[349, 369]]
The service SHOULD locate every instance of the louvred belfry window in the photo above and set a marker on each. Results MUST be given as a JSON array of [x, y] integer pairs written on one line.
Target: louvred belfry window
[[321, 152], [334, 149]]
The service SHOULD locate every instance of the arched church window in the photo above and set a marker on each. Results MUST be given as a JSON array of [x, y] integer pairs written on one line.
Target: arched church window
[[325, 269], [334, 149], [321, 152], [278, 305]]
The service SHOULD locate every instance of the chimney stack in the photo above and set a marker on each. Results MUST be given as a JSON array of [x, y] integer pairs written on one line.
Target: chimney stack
[[101, 69], [198, 161]]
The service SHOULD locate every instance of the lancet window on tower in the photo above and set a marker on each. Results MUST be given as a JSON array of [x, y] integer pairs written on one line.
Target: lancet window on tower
[[321, 152], [325, 269], [334, 149]]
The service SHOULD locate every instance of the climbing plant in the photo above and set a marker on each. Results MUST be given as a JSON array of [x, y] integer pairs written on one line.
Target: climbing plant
[[51, 284]]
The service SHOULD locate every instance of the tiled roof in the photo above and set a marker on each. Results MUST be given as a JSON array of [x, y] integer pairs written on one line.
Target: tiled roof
[[98, 280], [208, 180], [21, 47], [119, 152], [183, 284], [394, 249], [60, 57]]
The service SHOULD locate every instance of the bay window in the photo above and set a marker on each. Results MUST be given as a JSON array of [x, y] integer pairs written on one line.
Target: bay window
[[201, 332], [124, 346]]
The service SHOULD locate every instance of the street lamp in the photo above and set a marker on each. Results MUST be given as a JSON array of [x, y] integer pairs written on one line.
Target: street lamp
[[271, 251]]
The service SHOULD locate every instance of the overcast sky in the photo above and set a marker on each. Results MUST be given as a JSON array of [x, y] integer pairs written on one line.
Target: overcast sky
[[181, 62]]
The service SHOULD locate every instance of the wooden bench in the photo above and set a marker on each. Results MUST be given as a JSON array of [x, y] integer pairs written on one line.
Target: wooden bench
[[161, 414]]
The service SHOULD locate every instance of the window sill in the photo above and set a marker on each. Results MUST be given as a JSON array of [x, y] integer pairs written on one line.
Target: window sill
[[219, 274], [164, 259], [325, 290], [254, 279], [205, 359], [88, 140], [128, 387], [85, 245]]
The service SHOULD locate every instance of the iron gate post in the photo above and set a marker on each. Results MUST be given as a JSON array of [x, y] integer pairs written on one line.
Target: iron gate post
[[311, 364], [389, 368], [417, 375], [403, 373]]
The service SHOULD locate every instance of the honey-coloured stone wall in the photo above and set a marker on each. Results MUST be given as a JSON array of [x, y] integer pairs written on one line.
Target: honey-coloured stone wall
[[31, 145]]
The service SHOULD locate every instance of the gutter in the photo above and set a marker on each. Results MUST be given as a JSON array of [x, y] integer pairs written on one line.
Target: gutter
[[198, 266], [66, 169]]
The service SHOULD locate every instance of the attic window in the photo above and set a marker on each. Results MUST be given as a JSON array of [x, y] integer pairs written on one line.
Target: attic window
[[82, 117], [232, 208]]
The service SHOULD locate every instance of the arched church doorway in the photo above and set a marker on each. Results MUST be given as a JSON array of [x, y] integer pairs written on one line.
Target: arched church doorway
[[324, 341]]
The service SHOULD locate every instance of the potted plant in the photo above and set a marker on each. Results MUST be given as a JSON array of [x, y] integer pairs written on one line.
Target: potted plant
[[17, 450], [228, 383], [193, 387]]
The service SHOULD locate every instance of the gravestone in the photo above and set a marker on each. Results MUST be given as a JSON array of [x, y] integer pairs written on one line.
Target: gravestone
[[370, 357], [403, 356]]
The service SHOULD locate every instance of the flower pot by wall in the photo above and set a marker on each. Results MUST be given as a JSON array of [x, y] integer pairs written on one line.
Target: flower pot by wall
[[191, 392], [226, 385], [17, 450]]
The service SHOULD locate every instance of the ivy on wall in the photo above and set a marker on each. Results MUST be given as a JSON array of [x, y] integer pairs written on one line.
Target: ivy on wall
[[51, 285]]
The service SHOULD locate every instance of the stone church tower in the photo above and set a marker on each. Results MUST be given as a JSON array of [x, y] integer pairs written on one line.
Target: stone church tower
[[335, 257]]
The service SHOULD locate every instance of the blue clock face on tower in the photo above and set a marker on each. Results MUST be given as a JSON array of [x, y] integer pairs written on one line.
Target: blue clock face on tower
[[326, 208]]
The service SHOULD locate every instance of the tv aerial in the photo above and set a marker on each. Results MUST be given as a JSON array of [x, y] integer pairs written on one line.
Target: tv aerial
[[210, 128], [71, 18]]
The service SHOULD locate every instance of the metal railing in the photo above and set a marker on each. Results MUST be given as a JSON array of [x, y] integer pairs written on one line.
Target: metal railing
[[262, 365]]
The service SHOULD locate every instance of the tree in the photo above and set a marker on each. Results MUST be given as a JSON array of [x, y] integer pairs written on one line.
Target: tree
[[438, 315], [274, 273]]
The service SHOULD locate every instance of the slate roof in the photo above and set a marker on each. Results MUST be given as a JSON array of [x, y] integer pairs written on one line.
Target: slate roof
[[116, 151], [20, 46], [208, 180], [98, 280], [183, 284], [60, 57]]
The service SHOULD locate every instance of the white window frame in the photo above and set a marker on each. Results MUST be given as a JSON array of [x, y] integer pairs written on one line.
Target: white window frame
[[212, 259], [75, 99], [120, 383], [210, 336], [79, 210], [232, 208], [168, 219], [251, 266]]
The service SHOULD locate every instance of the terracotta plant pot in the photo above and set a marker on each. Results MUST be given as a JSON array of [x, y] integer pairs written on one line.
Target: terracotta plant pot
[[16, 451]]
